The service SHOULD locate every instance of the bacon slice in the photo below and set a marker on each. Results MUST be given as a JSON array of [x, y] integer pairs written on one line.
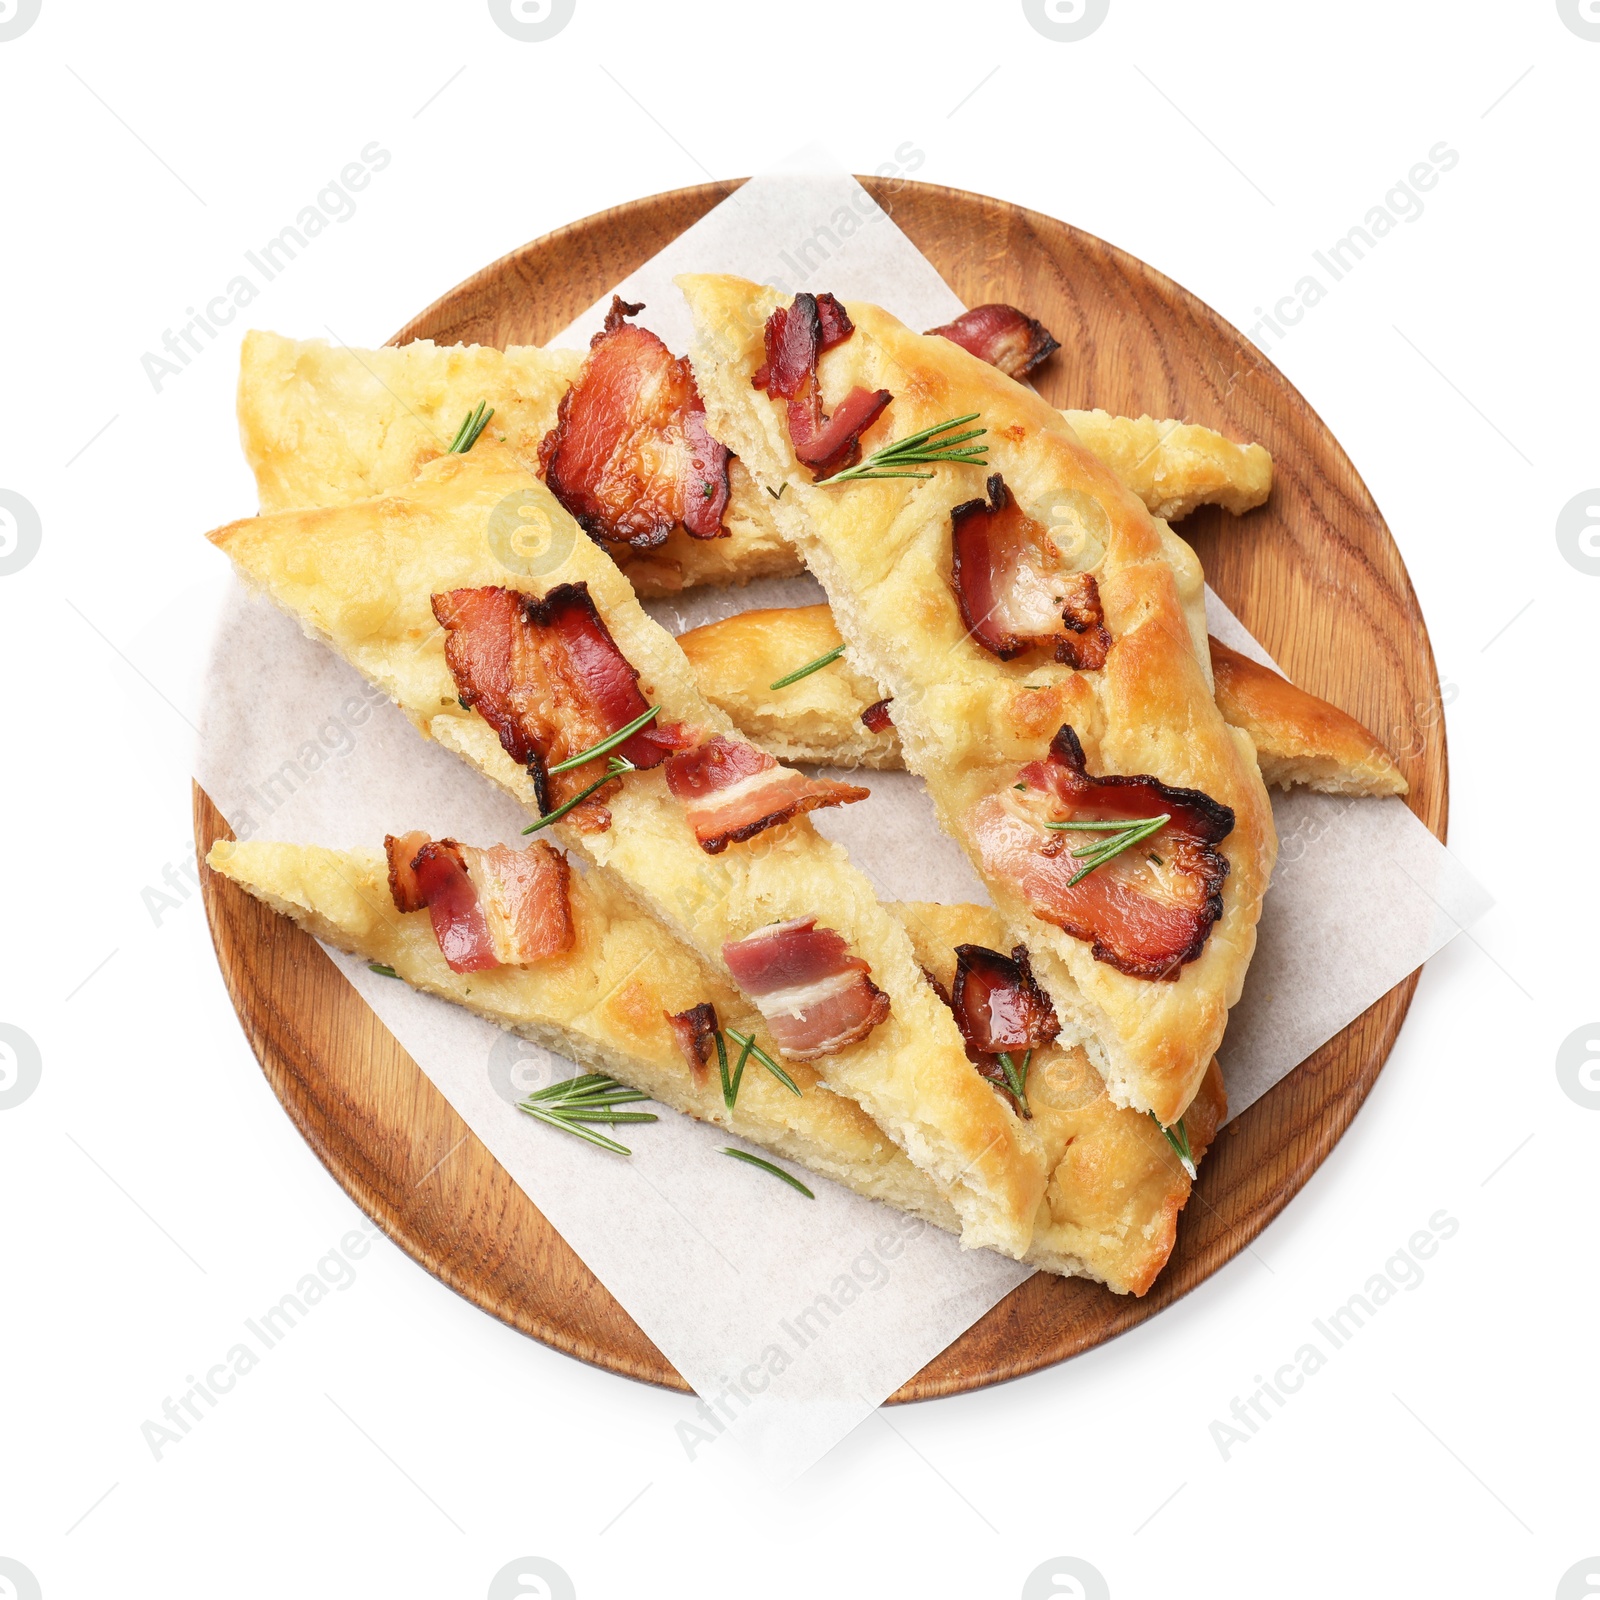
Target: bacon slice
[[490, 908], [876, 718], [1003, 336], [795, 338], [816, 997], [548, 677], [695, 1030], [1147, 911], [731, 791], [630, 455], [1013, 587], [998, 1004]]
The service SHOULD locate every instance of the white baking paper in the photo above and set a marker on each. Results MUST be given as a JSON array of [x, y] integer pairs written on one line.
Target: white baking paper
[[794, 1318]]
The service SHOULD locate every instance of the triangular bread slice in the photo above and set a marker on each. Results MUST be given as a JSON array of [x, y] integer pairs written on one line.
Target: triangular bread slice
[[1109, 1212], [968, 720], [362, 577]]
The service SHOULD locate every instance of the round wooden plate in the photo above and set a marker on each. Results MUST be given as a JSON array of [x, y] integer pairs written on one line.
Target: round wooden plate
[[1314, 574]]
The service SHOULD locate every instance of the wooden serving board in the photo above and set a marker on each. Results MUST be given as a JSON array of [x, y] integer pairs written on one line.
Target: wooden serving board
[[1314, 574]]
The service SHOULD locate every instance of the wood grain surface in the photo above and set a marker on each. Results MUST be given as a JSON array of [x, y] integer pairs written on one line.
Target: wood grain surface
[[1314, 574]]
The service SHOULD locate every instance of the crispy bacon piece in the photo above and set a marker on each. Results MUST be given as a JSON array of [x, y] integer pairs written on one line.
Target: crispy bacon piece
[[998, 1007], [876, 718], [630, 455], [548, 677], [731, 790], [695, 1030], [816, 997], [490, 908], [1013, 588], [1145, 912], [795, 338], [1003, 336]]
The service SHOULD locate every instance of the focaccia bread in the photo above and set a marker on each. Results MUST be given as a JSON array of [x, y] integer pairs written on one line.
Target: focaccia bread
[[363, 577], [1177, 467], [969, 721], [323, 425], [1110, 1208], [1298, 738]]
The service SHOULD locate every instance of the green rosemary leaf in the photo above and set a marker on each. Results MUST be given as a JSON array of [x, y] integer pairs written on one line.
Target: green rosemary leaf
[[1178, 1137], [767, 1166], [807, 669], [382, 970], [777, 494], [748, 1040], [574, 1103], [614, 769], [928, 446], [1017, 1078], [471, 426], [621, 736]]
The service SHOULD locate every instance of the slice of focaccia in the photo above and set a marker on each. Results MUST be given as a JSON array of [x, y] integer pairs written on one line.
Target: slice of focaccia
[[1110, 1208], [837, 717], [323, 425], [1044, 641], [548, 648]]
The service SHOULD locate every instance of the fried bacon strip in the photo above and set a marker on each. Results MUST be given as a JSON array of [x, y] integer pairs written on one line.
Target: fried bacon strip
[[998, 1008], [630, 456], [876, 718], [816, 997], [490, 908], [795, 338], [547, 676], [1003, 336], [731, 791], [1014, 589], [695, 1030], [1145, 912]]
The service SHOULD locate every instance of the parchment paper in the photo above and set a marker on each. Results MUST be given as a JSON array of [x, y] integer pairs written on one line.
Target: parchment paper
[[793, 1319]]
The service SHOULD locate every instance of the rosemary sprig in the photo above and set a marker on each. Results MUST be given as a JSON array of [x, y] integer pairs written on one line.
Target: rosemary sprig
[[593, 1097], [731, 1081], [808, 669], [1121, 836], [748, 1041], [610, 742], [615, 767], [382, 970], [767, 1166], [1016, 1078], [927, 445], [1178, 1137], [471, 426]]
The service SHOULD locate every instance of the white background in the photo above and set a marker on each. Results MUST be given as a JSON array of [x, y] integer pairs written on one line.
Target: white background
[[153, 1194]]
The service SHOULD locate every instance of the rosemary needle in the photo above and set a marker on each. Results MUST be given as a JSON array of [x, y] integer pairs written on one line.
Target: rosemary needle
[[1178, 1137], [382, 970], [1017, 1078], [591, 1097], [615, 767], [748, 1040], [471, 426], [610, 742], [808, 668], [1120, 836], [767, 1166]]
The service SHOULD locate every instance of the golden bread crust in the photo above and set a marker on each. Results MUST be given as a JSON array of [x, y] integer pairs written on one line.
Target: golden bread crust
[[1177, 467], [361, 577], [1299, 738], [967, 720]]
